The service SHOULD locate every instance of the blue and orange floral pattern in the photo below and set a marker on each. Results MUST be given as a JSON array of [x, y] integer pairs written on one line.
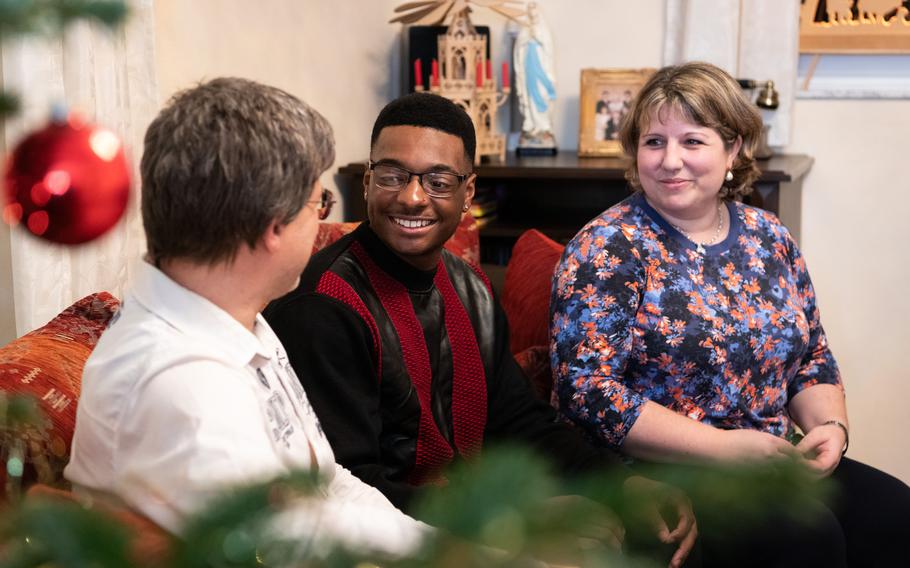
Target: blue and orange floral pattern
[[726, 337]]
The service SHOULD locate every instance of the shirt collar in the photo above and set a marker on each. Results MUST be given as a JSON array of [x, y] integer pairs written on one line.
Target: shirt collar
[[196, 316]]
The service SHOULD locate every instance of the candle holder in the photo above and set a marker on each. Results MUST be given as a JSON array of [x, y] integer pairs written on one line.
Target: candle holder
[[463, 74]]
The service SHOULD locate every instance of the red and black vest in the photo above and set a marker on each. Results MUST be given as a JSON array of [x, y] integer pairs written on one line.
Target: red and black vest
[[433, 344]]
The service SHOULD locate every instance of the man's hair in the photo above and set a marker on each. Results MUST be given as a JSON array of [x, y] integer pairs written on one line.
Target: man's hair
[[705, 95], [223, 160], [428, 111]]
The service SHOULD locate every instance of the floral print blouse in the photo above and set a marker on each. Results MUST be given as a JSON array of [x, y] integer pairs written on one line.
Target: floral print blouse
[[726, 337]]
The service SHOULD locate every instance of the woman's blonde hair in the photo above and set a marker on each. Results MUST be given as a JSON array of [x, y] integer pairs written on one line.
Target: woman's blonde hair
[[705, 95]]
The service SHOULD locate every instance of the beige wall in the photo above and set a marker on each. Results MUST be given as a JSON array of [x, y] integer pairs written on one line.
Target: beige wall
[[856, 236], [340, 56], [335, 55]]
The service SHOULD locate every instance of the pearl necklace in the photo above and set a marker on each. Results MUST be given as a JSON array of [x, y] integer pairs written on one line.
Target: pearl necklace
[[700, 247]]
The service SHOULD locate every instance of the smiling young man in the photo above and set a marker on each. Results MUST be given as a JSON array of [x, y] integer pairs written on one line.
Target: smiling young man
[[401, 346]]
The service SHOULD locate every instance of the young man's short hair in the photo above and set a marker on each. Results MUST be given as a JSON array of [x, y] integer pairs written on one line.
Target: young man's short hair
[[428, 111], [222, 161]]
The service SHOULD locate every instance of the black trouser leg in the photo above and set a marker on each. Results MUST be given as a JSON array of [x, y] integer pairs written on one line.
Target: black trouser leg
[[874, 510]]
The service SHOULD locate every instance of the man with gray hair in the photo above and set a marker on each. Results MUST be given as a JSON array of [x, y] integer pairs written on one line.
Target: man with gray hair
[[189, 392]]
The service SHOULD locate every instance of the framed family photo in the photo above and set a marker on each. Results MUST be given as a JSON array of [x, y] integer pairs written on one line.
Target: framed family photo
[[604, 100]]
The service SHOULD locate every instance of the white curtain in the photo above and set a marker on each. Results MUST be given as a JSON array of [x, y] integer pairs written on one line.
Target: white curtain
[[750, 39], [108, 76]]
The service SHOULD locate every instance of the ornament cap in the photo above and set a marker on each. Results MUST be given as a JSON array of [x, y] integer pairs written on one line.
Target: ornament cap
[[59, 113]]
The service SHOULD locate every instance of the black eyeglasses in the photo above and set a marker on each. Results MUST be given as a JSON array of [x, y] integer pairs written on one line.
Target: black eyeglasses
[[435, 184], [326, 201]]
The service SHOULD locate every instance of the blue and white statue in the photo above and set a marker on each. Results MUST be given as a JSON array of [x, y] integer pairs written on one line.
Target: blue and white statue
[[535, 82]]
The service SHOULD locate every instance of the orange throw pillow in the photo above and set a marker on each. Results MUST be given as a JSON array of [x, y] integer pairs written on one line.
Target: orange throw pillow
[[47, 364]]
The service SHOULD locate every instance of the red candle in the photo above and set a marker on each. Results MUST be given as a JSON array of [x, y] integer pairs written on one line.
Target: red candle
[[478, 75], [505, 75], [489, 70], [418, 74], [434, 81]]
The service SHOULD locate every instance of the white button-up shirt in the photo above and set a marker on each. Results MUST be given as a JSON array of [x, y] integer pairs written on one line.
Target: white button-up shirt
[[180, 401]]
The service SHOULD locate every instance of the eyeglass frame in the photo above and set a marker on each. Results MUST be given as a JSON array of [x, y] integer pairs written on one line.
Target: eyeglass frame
[[371, 165], [326, 201]]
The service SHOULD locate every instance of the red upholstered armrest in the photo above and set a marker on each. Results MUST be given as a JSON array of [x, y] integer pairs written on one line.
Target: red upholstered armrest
[[149, 544]]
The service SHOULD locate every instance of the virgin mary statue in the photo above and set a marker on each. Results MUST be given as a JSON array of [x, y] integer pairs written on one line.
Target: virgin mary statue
[[535, 82]]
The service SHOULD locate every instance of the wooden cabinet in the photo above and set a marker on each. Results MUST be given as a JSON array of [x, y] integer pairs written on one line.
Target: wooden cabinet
[[559, 194]]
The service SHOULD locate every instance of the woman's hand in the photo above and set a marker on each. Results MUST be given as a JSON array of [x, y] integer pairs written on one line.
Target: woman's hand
[[822, 447], [819, 410], [749, 446]]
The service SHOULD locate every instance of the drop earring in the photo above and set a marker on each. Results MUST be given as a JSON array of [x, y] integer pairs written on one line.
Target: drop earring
[[729, 176]]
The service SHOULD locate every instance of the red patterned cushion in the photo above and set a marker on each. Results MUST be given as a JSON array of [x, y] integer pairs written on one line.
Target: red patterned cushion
[[465, 243], [47, 364], [331, 232], [535, 362], [526, 292], [149, 544]]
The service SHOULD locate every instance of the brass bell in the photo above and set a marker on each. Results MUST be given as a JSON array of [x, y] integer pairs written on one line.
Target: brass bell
[[767, 96]]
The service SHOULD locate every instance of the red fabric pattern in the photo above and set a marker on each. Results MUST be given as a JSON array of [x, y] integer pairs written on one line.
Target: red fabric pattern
[[469, 389], [47, 364], [333, 285], [526, 292], [330, 232], [535, 363], [465, 243]]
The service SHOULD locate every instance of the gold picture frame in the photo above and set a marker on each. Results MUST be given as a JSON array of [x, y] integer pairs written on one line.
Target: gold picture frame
[[604, 100]]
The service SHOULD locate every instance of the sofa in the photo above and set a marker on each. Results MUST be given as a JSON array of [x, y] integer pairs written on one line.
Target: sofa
[[47, 364]]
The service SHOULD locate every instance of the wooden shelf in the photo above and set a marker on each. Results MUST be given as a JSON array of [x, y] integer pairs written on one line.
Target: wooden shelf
[[559, 194], [568, 166]]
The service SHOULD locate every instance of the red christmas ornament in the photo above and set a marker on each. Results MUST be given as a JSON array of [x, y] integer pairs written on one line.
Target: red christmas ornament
[[68, 183]]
